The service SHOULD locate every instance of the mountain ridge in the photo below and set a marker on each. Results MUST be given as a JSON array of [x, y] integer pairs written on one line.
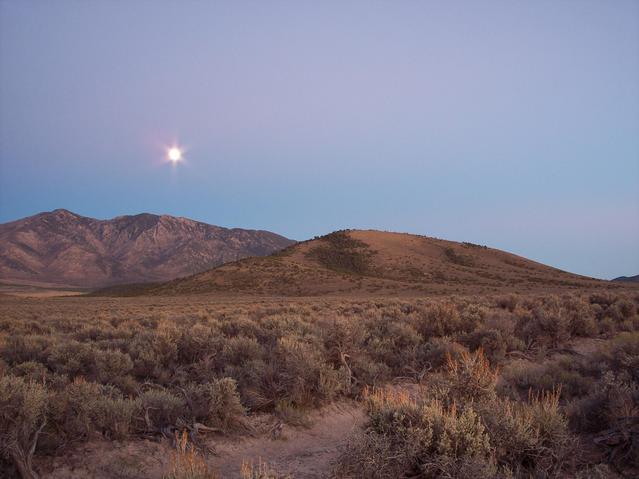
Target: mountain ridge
[[628, 279], [63, 247]]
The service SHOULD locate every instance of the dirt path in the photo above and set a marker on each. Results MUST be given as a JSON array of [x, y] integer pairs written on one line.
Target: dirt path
[[304, 453]]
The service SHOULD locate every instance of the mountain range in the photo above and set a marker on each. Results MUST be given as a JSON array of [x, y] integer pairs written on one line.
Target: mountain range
[[64, 248]]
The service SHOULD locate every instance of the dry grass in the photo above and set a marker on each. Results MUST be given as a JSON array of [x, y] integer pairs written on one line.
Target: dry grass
[[186, 462]]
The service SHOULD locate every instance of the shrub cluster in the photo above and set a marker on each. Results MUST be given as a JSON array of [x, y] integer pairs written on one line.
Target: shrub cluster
[[458, 258], [342, 253], [460, 429]]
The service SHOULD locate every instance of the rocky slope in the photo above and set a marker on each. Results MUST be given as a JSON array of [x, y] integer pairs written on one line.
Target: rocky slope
[[63, 248]]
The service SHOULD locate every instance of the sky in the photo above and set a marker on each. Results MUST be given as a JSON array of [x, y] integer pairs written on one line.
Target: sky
[[509, 123]]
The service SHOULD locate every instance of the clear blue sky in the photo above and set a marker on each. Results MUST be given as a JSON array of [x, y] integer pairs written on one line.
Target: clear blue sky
[[508, 123]]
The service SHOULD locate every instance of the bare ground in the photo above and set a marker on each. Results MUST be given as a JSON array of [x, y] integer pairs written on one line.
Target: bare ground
[[302, 452]]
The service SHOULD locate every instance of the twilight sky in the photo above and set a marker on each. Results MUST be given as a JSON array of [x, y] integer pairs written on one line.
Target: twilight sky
[[508, 123]]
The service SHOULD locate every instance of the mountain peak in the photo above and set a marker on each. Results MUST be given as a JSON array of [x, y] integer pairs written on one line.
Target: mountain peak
[[65, 248], [63, 212]]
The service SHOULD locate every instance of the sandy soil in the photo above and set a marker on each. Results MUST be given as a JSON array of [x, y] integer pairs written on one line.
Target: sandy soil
[[302, 452]]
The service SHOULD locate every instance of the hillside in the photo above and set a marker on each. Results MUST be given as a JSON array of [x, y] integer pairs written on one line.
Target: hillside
[[63, 248], [628, 279], [380, 263]]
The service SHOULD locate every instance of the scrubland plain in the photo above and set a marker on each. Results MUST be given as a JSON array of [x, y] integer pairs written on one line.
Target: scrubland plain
[[504, 386], [355, 355]]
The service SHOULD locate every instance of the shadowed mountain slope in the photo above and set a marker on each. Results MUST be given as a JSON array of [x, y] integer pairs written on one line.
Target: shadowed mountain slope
[[628, 279], [379, 263], [64, 248]]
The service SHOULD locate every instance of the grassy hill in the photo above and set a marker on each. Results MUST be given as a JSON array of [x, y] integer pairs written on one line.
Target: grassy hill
[[356, 262]]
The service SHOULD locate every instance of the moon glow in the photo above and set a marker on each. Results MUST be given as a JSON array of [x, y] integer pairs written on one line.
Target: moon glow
[[174, 154]]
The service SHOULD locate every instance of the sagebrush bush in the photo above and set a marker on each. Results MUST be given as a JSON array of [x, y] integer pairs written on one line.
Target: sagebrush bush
[[440, 319], [23, 415], [470, 377], [407, 435], [160, 408], [116, 416], [217, 403], [74, 409], [563, 373]]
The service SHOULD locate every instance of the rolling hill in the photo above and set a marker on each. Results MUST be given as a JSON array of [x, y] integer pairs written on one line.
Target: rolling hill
[[376, 263], [63, 248]]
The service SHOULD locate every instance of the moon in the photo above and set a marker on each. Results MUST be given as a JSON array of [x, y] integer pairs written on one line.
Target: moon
[[174, 154]]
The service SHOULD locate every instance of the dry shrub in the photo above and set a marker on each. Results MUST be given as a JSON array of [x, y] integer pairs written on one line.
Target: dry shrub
[[112, 365], [83, 408], [23, 410], [470, 377], [72, 358], [31, 370], [217, 403], [508, 302], [611, 413], [563, 372], [155, 353], [530, 439], [475, 435], [372, 456], [116, 416], [199, 342], [407, 436], [368, 371], [622, 356], [240, 349], [549, 419], [394, 343], [160, 408], [75, 410], [496, 336], [548, 325], [22, 348], [581, 318], [303, 374], [473, 315], [615, 313], [602, 299], [612, 400], [440, 319], [438, 350], [491, 341]]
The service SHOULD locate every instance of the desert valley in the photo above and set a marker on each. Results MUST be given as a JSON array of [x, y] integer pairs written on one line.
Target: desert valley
[[356, 354]]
